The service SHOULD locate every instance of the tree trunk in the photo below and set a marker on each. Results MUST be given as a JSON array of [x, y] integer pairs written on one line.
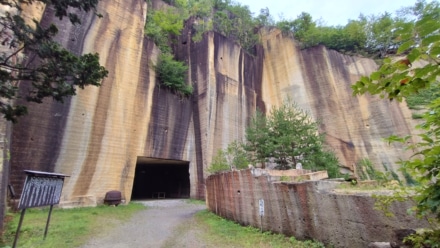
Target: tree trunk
[[5, 134]]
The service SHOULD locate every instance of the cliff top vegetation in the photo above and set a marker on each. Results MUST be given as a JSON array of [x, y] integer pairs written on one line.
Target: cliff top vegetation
[[372, 36]]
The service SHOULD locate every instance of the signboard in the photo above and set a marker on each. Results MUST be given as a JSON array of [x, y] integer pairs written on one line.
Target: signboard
[[261, 203], [41, 189]]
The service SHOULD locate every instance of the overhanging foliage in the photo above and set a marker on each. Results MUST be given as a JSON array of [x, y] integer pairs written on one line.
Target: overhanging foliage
[[397, 80], [32, 58]]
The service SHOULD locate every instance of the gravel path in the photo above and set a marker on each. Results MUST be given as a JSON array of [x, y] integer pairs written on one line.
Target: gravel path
[[165, 223]]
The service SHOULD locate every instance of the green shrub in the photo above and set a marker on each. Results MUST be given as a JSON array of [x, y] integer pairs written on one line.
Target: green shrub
[[171, 74], [366, 171], [169, 20], [422, 239], [234, 156], [284, 178], [219, 163]]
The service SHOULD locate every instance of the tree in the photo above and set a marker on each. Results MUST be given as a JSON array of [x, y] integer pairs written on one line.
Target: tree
[[235, 22], [264, 18], [46, 69], [219, 163], [382, 32], [289, 136], [302, 25], [162, 26], [200, 8], [171, 74], [233, 157], [396, 80]]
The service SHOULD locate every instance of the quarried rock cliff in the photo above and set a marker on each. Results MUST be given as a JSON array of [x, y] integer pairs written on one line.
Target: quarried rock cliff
[[144, 140], [102, 135], [319, 80]]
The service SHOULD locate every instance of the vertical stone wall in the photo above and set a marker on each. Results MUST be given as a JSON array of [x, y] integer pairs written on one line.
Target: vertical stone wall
[[319, 80], [96, 136], [307, 210]]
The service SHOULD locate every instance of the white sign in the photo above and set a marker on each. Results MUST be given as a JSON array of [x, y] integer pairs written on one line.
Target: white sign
[[261, 203]]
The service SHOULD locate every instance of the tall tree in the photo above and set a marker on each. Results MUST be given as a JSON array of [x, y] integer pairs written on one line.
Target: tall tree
[[32, 57], [264, 18]]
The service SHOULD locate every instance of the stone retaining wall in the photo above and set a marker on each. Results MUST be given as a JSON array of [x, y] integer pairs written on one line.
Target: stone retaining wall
[[306, 210]]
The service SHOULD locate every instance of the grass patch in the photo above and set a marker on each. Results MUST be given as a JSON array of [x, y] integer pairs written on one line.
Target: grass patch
[[196, 202], [368, 187], [417, 115], [359, 186], [67, 228], [220, 232]]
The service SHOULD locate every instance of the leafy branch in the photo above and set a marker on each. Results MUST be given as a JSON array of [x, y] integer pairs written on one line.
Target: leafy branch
[[32, 58]]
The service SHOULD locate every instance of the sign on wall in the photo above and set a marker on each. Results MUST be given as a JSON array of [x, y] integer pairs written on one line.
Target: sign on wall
[[261, 203]]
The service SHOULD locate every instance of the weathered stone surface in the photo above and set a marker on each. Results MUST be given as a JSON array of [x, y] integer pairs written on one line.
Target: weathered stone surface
[[96, 136], [319, 80], [93, 137], [307, 210]]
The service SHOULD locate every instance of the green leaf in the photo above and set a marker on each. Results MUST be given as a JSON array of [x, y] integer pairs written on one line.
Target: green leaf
[[430, 39], [405, 46], [414, 55], [375, 75], [428, 28], [387, 60], [422, 22], [365, 80], [434, 51]]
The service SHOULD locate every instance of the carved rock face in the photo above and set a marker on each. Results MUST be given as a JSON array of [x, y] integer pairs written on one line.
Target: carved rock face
[[98, 136]]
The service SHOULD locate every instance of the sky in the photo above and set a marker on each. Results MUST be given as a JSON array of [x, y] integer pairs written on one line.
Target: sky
[[332, 12]]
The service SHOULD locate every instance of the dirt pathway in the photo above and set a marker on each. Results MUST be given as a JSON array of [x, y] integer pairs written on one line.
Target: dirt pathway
[[166, 223]]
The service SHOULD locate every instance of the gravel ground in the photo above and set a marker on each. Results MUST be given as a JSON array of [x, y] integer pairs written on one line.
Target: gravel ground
[[165, 223]]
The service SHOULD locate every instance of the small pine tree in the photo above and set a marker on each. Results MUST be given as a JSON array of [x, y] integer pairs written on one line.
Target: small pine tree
[[289, 136]]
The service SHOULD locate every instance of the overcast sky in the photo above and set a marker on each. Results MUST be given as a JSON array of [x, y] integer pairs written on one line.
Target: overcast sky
[[332, 12]]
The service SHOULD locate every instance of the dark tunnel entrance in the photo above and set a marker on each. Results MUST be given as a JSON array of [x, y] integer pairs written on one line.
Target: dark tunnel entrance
[[160, 179]]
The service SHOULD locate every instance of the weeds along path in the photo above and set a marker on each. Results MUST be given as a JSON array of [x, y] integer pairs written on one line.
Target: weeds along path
[[165, 223]]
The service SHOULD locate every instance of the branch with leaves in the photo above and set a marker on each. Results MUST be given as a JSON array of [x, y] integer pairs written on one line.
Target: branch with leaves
[[30, 57]]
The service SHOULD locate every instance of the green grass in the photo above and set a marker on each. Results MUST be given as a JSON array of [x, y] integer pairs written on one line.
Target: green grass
[[417, 116], [67, 228], [220, 232], [196, 202], [350, 187]]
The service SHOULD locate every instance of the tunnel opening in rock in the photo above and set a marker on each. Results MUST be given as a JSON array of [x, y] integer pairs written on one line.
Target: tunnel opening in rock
[[160, 179]]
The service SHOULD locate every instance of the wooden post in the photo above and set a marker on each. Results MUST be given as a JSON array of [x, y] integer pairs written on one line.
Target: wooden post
[[18, 227], [48, 220]]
